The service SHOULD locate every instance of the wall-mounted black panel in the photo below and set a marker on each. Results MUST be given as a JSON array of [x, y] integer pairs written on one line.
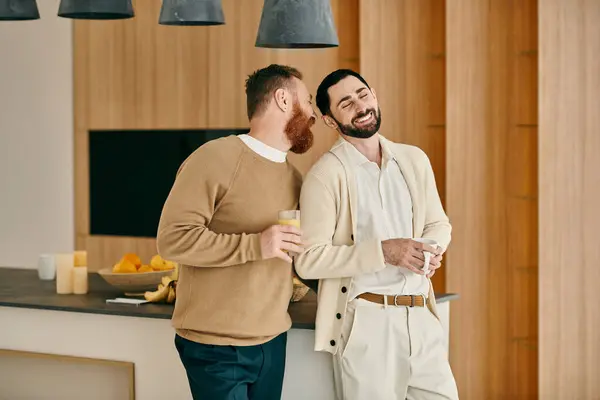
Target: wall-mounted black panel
[[131, 174]]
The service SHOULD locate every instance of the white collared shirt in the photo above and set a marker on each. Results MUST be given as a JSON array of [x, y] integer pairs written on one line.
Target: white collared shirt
[[384, 212], [263, 149]]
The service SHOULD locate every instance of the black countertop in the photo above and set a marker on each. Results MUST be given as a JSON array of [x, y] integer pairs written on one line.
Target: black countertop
[[22, 288]]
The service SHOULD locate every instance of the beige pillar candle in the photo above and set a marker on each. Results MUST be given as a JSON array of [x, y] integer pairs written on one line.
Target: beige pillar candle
[[64, 273], [80, 258], [80, 280]]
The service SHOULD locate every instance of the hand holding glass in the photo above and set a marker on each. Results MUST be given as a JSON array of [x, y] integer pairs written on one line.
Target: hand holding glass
[[284, 238], [289, 217]]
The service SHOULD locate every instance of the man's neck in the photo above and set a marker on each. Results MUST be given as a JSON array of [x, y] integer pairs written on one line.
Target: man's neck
[[370, 148], [270, 135]]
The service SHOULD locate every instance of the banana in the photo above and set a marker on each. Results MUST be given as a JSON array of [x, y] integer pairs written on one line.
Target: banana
[[158, 295], [165, 292], [171, 295]]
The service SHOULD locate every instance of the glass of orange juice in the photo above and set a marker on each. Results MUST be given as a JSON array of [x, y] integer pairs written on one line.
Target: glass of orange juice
[[289, 217]]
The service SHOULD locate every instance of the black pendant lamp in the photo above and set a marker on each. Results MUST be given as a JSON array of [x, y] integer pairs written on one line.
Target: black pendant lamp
[[192, 12], [296, 24], [18, 10], [96, 9]]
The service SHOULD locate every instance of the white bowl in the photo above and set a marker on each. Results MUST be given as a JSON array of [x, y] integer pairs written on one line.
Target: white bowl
[[134, 283]]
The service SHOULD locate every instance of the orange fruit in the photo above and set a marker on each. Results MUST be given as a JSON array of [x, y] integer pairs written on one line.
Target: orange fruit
[[125, 267], [133, 258], [145, 268]]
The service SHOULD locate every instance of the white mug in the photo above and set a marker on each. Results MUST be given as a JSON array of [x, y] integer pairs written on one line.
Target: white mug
[[46, 267], [427, 254]]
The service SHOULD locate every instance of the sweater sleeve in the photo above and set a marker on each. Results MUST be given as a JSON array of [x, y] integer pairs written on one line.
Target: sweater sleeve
[[202, 182], [321, 258]]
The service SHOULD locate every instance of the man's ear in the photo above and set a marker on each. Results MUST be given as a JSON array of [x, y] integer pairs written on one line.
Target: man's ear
[[283, 99], [330, 122]]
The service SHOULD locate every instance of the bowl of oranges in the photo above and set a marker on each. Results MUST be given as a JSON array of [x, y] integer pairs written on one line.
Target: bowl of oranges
[[133, 277]]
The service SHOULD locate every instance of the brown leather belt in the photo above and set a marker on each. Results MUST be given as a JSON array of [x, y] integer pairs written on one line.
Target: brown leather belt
[[413, 300]]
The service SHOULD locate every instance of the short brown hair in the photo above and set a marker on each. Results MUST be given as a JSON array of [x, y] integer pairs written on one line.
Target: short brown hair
[[261, 85]]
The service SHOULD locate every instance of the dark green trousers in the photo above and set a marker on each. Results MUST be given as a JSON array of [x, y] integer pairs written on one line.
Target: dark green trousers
[[234, 372]]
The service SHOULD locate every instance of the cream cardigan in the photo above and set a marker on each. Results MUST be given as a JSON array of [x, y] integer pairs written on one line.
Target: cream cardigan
[[327, 203]]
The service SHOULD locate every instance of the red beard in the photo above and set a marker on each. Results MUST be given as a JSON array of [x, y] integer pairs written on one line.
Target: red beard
[[298, 130]]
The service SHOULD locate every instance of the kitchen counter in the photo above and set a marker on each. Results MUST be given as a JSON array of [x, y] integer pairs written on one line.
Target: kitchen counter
[[80, 342], [22, 288]]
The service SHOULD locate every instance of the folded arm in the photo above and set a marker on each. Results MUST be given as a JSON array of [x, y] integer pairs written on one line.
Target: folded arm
[[322, 259]]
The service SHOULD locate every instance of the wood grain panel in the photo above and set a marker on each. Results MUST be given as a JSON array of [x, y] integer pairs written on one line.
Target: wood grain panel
[[105, 251], [467, 197], [569, 173], [81, 106], [491, 196], [137, 74], [522, 203], [403, 59], [226, 45]]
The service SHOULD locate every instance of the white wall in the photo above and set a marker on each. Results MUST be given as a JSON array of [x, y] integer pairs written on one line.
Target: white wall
[[36, 137]]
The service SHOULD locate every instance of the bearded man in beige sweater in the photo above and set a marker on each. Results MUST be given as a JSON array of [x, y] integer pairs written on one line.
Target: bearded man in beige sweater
[[219, 223], [366, 204]]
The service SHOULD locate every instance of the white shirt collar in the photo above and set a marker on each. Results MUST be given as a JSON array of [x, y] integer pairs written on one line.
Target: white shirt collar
[[358, 158], [263, 149]]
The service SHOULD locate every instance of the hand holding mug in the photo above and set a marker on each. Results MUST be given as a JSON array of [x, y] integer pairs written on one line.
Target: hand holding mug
[[434, 264], [432, 259], [412, 254]]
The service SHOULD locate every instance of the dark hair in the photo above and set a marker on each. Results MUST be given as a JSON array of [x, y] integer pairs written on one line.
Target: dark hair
[[323, 100], [262, 83]]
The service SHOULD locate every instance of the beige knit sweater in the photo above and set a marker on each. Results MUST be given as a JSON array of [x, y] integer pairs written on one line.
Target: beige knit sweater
[[223, 197]]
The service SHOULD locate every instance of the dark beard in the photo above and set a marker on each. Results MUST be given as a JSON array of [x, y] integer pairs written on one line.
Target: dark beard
[[364, 133], [298, 130]]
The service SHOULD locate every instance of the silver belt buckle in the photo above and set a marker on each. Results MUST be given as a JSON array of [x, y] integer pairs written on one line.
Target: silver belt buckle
[[396, 300]]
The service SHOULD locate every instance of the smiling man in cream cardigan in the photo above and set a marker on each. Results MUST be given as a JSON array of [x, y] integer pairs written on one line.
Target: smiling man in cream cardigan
[[362, 205]]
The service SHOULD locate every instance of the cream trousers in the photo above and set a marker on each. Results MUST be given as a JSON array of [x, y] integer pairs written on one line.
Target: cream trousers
[[392, 353]]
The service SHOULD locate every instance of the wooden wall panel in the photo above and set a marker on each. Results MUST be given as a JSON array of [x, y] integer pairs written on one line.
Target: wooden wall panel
[[522, 202], [569, 173], [25, 375], [402, 57], [492, 196], [137, 74]]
